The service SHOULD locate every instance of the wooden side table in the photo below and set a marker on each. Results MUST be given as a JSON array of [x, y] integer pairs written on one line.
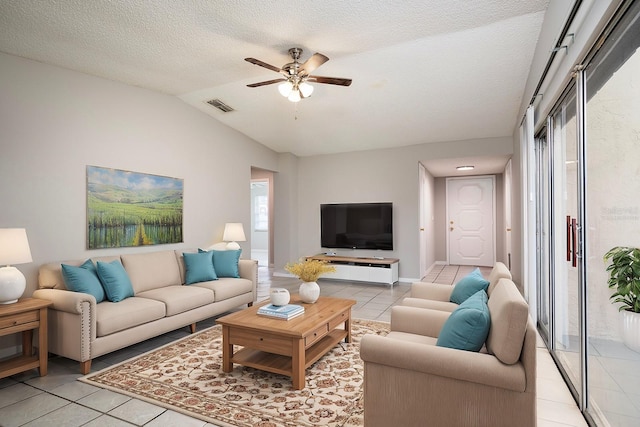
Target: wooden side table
[[25, 316]]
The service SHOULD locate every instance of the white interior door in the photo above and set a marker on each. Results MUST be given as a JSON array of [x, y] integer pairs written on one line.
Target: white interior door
[[470, 213]]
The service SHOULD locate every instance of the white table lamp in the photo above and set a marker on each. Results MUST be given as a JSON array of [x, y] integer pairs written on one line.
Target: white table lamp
[[14, 249], [233, 233]]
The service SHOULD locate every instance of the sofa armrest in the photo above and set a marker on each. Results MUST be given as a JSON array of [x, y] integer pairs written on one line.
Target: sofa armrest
[[248, 269], [67, 301], [419, 321], [72, 323], [445, 362], [434, 291]]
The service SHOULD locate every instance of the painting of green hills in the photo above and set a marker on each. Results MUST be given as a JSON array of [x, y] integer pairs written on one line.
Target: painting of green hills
[[132, 209]]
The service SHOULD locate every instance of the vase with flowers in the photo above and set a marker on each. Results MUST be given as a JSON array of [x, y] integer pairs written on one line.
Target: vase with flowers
[[309, 270]]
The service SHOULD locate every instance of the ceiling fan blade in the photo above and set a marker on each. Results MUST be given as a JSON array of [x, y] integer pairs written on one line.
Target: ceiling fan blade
[[330, 80], [268, 82], [264, 64], [316, 60]]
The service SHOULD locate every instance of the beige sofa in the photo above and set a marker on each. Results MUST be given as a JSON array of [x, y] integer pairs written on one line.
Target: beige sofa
[[436, 296], [411, 382], [82, 330]]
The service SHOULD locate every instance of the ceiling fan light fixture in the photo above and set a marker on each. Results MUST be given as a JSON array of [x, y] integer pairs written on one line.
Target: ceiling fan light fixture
[[306, 89], [294, 96], [285, 89]]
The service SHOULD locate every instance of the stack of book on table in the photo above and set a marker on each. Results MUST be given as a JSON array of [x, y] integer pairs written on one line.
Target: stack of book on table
[[286, 312]]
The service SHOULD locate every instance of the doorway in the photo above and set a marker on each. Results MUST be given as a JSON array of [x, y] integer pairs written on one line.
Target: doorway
[[471, 220], [261, 217]]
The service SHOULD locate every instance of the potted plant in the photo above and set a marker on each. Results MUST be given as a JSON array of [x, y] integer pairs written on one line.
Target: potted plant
[[624, 279], [309, 270]]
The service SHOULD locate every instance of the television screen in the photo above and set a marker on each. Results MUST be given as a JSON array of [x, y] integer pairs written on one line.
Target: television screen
[[357, 225]]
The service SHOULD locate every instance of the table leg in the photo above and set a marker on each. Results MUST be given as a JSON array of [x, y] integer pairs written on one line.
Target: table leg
[[227, 350], [43, 343], [27, 343], [347, 327], [298, 360]]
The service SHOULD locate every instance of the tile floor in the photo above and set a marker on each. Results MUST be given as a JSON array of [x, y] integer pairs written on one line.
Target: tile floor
[[59, 400]]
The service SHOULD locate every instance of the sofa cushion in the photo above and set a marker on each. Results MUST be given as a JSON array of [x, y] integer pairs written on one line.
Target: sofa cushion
[[199, 267], [179, 299], [113, 317], [468, 325], [226, 263], [509, 316], [226, 287], [115, 280], [152, 270], [468, 285], [83, 279]]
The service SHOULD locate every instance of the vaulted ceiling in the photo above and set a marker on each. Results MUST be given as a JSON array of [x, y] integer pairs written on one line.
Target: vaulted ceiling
[[423, 71]]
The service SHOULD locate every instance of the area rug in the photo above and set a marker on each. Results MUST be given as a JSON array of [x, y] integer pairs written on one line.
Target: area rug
[[186, 376]]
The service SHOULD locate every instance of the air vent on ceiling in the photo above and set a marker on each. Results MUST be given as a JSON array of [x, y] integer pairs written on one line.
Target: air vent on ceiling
[[220, 105]]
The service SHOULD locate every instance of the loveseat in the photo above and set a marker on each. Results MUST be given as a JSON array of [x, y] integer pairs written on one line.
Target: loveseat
[[82, 329], [410, 381]]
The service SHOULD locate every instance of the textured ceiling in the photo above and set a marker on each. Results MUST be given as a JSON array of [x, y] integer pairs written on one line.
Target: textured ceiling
[[423, 71]]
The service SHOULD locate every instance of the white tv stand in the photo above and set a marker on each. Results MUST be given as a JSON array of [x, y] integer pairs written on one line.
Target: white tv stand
[[362, 269]]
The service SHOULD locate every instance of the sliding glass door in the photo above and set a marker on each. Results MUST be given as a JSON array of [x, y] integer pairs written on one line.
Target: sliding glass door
[[613, 214], [543, 227], [588, 196], [566, 289]]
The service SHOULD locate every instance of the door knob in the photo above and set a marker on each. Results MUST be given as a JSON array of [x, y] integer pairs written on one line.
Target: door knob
[[450, 228]]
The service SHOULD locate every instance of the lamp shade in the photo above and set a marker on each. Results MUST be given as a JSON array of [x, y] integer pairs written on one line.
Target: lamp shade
[[14, 246], [234, 232], [285, 88], [294, 96], [306, 89]]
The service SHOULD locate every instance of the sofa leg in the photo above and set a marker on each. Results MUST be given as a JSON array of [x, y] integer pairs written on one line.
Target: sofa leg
[[85, 367], [250, 304], [193, 328]]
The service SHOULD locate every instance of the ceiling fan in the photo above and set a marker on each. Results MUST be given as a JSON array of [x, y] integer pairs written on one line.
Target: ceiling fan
[[297, 76]]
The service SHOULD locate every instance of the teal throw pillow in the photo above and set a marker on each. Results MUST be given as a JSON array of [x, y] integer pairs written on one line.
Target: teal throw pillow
[[83, 279], [468, 325], [115, 280], [468, 285], [226, 263], [199, 267]]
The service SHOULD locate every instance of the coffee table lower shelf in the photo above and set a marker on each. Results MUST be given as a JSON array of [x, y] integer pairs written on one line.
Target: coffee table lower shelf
[[279, 364]]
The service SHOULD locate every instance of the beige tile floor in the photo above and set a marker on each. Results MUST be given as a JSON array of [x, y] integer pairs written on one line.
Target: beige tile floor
[[59, 400]]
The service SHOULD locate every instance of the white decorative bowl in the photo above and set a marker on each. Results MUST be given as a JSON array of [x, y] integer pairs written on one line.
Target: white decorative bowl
[[279, 296]]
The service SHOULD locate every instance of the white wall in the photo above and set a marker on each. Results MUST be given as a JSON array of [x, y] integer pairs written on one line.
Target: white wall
[[54, 122], [389, 175]]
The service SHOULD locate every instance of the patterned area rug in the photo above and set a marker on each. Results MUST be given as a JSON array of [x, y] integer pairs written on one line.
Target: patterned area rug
[[186, 376]]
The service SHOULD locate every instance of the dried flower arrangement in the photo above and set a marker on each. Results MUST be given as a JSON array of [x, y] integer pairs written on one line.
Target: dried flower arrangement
[[309, 270]]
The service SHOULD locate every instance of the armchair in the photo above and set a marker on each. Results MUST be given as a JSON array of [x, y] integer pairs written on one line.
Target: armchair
[[409, 381]]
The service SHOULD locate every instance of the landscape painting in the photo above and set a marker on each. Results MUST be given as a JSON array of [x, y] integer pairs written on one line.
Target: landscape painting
[[132, 209]]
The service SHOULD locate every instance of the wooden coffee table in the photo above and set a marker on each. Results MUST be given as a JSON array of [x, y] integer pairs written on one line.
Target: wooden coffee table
[[286, 347]]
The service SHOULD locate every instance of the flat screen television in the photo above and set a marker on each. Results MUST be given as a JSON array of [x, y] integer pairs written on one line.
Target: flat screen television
[[357, 225]]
